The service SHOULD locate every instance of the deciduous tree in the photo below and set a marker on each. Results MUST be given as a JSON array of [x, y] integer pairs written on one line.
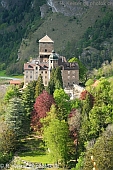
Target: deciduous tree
[[56, 138], [63, 102], [41, 107], [102, 152]]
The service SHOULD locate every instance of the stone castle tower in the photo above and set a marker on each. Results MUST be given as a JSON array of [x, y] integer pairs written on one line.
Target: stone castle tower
[[48, 60], [46, 46]]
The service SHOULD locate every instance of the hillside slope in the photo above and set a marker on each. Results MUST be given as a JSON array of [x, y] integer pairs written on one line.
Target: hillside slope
[[66, 22]]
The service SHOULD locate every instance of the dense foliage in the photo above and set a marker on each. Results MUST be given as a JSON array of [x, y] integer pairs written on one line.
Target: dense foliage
[[72, 130], [39, 86], [42, 105], [56, 81], [14, 22]]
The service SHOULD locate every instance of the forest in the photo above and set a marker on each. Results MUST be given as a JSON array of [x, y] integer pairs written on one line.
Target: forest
[[14, 25], [20, 22], [77, 132]]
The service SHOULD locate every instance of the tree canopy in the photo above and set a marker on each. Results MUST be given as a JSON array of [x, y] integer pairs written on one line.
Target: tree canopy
[[41, 107]]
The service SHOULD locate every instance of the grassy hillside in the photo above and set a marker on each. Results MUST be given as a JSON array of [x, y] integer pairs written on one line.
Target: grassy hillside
[[61, 29]]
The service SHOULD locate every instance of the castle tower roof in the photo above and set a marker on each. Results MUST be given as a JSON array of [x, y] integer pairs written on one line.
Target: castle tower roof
[[53, 56], [46, 39]]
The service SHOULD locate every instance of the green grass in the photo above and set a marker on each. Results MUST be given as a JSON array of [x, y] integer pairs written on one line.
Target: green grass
[[34, 151], [3, 73], [35, 157], [18, 76]]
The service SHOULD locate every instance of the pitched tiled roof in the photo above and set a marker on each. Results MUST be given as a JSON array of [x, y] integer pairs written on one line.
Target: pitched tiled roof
[[46, 39], [42, 66], [29, 66], [15, 82], [69, 66]]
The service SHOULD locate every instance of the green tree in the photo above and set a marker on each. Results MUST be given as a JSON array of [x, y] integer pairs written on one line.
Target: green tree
[[50, 116], [86, 106], [39, 86], [55, 80], [102, 112], [28, 97], [56, 139], [89, 82], [63, 102], [7, 140], [12, 91], [101, 92], [102, 152], [15, 118], [58, 78]]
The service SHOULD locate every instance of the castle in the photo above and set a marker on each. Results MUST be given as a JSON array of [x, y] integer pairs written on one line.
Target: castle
[[46, 61]]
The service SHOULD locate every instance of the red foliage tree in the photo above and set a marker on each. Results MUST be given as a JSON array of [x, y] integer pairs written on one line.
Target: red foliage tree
[[41, 107], [84, 94]]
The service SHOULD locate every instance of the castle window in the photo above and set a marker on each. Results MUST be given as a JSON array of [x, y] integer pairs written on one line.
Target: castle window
[[41, 72], [68, 72], [36, 68], [68, 77], [45, 50], [30, 77], [51, 61], [45, 72], [73, 77]]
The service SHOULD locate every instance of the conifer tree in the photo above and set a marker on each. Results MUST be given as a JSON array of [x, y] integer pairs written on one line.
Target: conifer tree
[[28, 97], [39, 86], [58, 78], [55, 80], [15, 117], [51, 84]]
